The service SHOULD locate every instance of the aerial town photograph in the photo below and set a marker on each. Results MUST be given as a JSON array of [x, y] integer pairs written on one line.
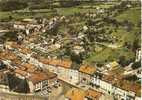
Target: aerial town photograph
[[70, 50]]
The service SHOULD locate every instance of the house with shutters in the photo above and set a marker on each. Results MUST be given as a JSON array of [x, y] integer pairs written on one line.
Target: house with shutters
[[116, 85], [62, 68], [86, 73], [37, 80]]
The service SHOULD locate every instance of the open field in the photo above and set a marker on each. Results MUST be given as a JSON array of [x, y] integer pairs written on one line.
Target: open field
[[123, 36], [110, 55], [133, 15], [83, 8]]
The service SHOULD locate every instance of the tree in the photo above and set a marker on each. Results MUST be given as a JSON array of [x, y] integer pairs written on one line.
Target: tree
[[135, 45], [76, 58], [139, 24], [69, 3], [123, 61], [131, 78], [129, 25], [128, 45], [136, 65]]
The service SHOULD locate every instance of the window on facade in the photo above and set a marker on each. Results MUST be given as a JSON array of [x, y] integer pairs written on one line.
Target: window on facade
[[37, 85], [43, 85], [37, 90], [84, 79], [109, 92]]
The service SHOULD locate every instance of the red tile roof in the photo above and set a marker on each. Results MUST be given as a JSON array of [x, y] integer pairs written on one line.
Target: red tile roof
[[57, 62], [94, 95], [30, 72], [78, 94], [87, 69], [75, 94]]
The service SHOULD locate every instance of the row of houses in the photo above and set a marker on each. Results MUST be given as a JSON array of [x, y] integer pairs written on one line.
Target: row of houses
[[24, 77], [28, 79], [78, 94], [38, 81], [112, 84]]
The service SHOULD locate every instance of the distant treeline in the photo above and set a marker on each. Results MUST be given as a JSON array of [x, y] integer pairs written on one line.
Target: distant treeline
[[9, 5], [12, 5]]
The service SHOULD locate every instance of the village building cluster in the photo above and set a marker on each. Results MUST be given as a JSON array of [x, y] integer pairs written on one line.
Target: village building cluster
[[29, 63], [38, 75]]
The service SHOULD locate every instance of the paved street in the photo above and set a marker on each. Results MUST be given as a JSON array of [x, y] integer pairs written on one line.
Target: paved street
[[58, 93]]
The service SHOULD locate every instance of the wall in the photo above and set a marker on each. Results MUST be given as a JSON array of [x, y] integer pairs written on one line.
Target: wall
[[13, 96]]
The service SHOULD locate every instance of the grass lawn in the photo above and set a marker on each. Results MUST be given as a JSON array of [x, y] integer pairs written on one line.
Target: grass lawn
[[61, 11], [25, 14], [5, 15], [72, 10], [108, 54], [133, 15], [124, 36]]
